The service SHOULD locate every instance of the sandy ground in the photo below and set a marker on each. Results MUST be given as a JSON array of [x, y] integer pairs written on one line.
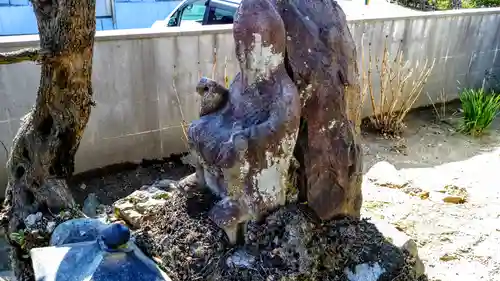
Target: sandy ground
[[456, 241]]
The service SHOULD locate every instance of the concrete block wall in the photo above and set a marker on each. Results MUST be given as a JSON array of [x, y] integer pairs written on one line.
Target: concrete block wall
[[143, 79], [465, 45]]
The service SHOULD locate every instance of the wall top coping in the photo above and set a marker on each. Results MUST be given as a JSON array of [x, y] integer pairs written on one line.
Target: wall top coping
[[150, 33]]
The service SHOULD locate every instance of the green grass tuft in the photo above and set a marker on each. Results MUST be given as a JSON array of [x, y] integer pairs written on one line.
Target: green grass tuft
[[479, 109]]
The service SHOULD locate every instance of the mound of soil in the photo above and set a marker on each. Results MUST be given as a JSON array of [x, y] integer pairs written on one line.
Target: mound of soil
[[286, 246], [182, 240]]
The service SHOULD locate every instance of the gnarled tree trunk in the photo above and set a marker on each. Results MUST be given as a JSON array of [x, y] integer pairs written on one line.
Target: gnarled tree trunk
[[43, 151]]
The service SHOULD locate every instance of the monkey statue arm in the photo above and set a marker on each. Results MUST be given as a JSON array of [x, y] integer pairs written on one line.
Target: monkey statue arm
[[284, 114]]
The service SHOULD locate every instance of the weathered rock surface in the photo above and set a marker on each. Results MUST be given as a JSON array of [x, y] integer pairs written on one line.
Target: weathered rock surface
[[321, 59], [90, 205], [134, 208], [385, 174], [403, 242]]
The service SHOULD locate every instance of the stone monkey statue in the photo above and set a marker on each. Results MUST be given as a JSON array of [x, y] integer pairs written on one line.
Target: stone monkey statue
[[245, 143], [321, 60]]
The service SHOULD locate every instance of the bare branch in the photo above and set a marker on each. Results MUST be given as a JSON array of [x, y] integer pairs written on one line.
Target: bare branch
[[28, 54], [5, 147]]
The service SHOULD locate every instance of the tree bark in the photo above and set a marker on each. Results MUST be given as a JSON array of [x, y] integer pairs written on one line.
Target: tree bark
[[43, 151]]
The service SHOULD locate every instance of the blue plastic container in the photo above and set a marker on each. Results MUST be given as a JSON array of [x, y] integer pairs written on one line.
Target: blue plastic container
[[108, 256]]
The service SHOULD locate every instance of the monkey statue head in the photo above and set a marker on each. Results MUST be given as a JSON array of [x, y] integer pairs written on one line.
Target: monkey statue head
[[214, 96]]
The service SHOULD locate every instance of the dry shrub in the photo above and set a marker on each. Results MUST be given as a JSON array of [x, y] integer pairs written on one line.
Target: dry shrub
[[393, 85], [439, 105]]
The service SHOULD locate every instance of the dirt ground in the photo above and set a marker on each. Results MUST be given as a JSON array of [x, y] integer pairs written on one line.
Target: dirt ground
[[114, 182], [428, 141], [456, 241]]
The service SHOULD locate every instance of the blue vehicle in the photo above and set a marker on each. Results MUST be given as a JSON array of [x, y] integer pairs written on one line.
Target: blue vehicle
[[201, 12]]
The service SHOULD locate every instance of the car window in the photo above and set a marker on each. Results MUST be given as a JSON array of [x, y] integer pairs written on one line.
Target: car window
[[217, 15], [194, 12]]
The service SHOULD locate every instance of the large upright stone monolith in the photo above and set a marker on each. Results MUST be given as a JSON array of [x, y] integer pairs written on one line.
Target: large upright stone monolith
[[321, 60]]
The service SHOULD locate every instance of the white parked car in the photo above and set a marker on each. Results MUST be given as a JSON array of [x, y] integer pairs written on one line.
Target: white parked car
[[200, 12]]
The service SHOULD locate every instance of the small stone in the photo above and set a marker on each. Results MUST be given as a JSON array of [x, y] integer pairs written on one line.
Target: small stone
[[32, 220], [448, 257], [365, 272], [90, 205], [138, 204], [157, 260], [454, 199], [127, 212], [385, 174], [402, 241], [165, 184], [240, 259], [455, 194], [51, 225], [416, 191], [424, 195]]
